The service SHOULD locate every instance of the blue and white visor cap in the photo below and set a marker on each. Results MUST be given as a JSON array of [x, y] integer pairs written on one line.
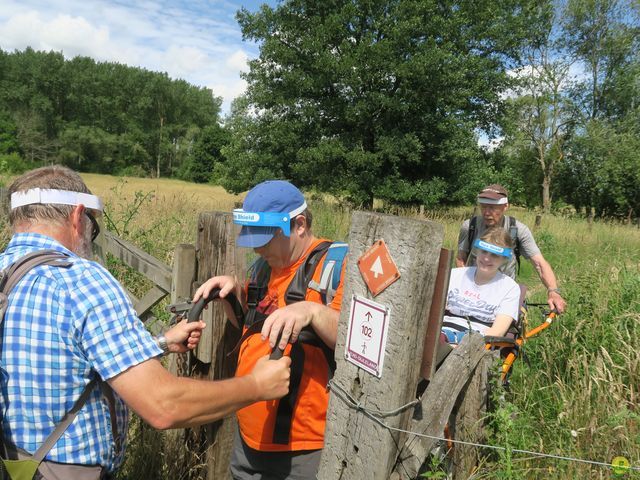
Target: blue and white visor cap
[[268, 206], [491, 248], [57, 197]]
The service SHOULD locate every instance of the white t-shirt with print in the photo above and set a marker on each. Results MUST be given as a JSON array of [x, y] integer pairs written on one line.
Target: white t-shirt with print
[[480, 303]]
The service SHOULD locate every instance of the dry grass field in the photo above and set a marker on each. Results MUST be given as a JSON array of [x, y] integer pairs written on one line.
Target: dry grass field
[[166, 192]]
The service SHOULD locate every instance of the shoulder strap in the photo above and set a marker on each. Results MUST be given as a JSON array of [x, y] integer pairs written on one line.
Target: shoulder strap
[[331, 272], [64, 423], [10, 276], [473, 225], [513, 232], [259, 273], [297, 289]]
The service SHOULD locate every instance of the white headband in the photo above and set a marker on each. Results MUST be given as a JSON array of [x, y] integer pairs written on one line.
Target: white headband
[[491, 201], [60, 197]]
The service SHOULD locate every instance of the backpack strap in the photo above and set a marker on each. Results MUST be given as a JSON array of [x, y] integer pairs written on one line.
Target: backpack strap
[[10, 276], [331, 272], [67, 420], [297, 289], [259, 273], [513, 232], [473, 226]]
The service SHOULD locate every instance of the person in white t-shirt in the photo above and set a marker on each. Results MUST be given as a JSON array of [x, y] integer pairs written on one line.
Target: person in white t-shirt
[[481, 298]]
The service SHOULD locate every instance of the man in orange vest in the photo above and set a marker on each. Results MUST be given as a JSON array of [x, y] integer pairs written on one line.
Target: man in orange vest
[[289, 307]]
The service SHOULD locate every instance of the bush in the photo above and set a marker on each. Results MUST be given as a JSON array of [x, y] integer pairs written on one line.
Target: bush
[[14, 164]]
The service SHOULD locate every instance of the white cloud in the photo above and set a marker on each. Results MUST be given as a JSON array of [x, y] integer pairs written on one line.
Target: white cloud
[[238, 61], [181, 59], [74, 35]]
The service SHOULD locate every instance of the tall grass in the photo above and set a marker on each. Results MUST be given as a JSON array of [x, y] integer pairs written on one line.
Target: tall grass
[[577, 395]]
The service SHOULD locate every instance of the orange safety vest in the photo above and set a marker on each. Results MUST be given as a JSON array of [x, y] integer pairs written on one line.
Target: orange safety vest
[[297, 421]]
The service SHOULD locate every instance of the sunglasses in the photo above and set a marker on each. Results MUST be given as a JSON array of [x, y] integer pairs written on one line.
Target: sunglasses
[[95, 228]]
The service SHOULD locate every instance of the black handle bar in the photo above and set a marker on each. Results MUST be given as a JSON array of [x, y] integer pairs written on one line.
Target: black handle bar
[[196, 310]]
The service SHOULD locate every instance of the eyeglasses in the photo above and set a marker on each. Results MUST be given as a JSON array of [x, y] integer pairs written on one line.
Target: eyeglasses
[[95, 228]]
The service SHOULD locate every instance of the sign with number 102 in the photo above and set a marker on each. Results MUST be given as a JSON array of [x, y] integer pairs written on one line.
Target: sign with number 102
[[367, 334]]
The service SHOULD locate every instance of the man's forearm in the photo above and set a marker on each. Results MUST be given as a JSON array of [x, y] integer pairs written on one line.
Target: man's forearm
[[166, 401], [545, 272], [197, 402], [325, 324]]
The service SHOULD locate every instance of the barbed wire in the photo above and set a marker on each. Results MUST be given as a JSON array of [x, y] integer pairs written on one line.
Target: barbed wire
[[376, 414]]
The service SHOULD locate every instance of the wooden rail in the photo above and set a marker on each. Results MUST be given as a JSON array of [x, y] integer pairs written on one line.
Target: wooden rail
[[160, 274]]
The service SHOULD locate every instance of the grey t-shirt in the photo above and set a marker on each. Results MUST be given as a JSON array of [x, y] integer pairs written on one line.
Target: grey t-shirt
[[528, 246]]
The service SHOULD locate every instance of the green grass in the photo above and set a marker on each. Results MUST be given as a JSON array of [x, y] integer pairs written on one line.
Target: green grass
[[579, 394]]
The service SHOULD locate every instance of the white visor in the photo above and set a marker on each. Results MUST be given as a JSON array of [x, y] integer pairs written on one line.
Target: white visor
[[492, 201], [58, 197]]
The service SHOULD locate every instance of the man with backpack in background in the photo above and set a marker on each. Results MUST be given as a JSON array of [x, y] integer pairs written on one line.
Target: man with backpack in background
[[293, 299], [494, 202], [74, 355]]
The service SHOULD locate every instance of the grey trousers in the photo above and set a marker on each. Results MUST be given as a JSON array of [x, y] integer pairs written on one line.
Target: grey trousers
[[250, 464]]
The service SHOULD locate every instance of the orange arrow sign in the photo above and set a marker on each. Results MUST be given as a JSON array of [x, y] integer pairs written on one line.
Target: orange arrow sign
[[378, 268]]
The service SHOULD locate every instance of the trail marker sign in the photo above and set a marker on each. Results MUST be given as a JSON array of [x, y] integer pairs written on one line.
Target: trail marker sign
[[367, 334], [378, 268]]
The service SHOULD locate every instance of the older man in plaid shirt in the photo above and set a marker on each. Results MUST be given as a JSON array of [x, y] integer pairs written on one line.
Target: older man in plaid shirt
[[65, 326]]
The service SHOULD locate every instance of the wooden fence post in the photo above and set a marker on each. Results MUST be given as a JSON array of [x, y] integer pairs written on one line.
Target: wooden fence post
[[182, 278], [355, 446], [434, 325], [438, 401], [217, 255], [4, 201], [469, 419]]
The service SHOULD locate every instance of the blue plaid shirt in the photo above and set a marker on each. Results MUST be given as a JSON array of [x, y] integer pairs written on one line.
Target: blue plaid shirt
[[62, 325]]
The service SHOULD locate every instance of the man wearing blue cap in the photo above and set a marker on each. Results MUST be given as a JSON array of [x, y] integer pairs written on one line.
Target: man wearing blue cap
[[292, 300]]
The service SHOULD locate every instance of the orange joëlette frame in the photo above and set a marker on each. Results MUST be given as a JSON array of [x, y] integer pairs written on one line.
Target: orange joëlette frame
[[508, 361]]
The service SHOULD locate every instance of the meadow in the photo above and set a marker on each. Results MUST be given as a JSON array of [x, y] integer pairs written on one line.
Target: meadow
[[577, 392]]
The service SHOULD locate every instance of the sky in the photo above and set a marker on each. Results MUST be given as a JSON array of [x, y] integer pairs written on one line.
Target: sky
[[195, 40]]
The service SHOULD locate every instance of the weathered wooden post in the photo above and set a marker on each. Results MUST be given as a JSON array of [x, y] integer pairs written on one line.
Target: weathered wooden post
[[357, 447], [216, 255], [4, 202], [457, 374], [182, 278], [434, 324], [469, 419]]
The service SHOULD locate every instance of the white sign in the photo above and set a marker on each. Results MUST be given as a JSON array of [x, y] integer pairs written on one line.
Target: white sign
[[367, 334]]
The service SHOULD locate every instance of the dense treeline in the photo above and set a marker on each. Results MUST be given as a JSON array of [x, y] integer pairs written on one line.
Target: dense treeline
[[385, 99], [378, 99], [103, 117]]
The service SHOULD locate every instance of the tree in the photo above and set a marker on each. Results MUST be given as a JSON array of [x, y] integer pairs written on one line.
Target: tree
[[205, 154], [604, 35], [99, 116], [541, 118], [372, 98], [601, 171]]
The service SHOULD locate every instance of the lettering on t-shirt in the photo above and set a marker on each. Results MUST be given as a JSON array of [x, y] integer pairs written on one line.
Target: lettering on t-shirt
[[468, 303]]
